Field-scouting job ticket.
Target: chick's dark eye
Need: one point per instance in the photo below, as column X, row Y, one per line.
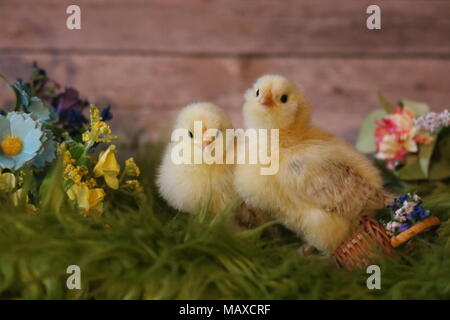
column 190, row 134
column 284, row 98
column 257, row 92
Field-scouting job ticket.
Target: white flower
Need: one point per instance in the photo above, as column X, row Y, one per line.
column 445, row 118
column 433, row 121
column 400, row 216
column 408, row 206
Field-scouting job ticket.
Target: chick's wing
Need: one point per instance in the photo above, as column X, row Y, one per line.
column 319, row 175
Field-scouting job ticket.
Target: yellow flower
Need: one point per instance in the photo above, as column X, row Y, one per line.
column 7, row 182
column 133, row 185
column 91, row 183
column 74, row 173
column 94, row 114
column 99, row 130
column 108, row 167
column 131, row 168
column 88, row 200
column 71, row 171
column 20, row 178
column 67, row 157
column 16, row 198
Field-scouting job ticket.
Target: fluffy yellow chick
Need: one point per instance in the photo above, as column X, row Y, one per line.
column 188, row 187
column 323, row 184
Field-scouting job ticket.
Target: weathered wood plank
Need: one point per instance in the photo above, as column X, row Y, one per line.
column 147, row 92
column 228, row 27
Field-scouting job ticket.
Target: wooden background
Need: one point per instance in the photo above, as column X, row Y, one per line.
column 148, row 58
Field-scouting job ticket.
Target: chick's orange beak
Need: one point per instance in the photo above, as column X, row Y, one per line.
column 266, row 99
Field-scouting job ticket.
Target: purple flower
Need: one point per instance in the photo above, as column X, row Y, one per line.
column 403, row 227
column 70, row 108
column 68, row 100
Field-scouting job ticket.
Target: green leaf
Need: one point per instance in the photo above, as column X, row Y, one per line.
column 387, row 106
column 76, row 151
column 57, row 131
column 411, row 171
column 67, row 184
column 79, row 153
column 366, row 137
column 21, row 91
column 419, row 108
column 3, row 77
column 51, row 192
column 440, row 161
column 425, row 153
column 440, row 170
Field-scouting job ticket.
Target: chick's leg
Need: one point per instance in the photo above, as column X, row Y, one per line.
column 246, row 218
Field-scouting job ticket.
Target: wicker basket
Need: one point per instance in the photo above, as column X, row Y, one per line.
column 360, row 249
column 414, row 230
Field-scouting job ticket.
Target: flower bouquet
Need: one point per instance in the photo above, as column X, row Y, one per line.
column 408, row 219
column 408, row 139
column 411, row 144
column 52, row 153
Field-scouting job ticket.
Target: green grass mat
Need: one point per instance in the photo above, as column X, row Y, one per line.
column 154, row 252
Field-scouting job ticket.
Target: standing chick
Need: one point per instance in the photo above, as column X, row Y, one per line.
column 323, row 184
column 188, row 187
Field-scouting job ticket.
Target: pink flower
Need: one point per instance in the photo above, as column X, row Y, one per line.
column 424, row 137
column 394, row 136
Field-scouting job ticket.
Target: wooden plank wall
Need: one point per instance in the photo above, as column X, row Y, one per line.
column 148, row 58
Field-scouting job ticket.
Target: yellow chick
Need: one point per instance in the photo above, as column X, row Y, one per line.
column 323, row 184
column 189, row 186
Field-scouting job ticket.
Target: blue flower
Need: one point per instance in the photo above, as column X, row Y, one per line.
column 403, row 198
column 106, row 113
column 74, row 121
column 393, row 206
column 403, row 227
column 70, row 108
column 66, row 101
column 20, row 139
column 419, row 213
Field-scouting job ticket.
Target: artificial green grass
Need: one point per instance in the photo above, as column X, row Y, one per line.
column 150, row 251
